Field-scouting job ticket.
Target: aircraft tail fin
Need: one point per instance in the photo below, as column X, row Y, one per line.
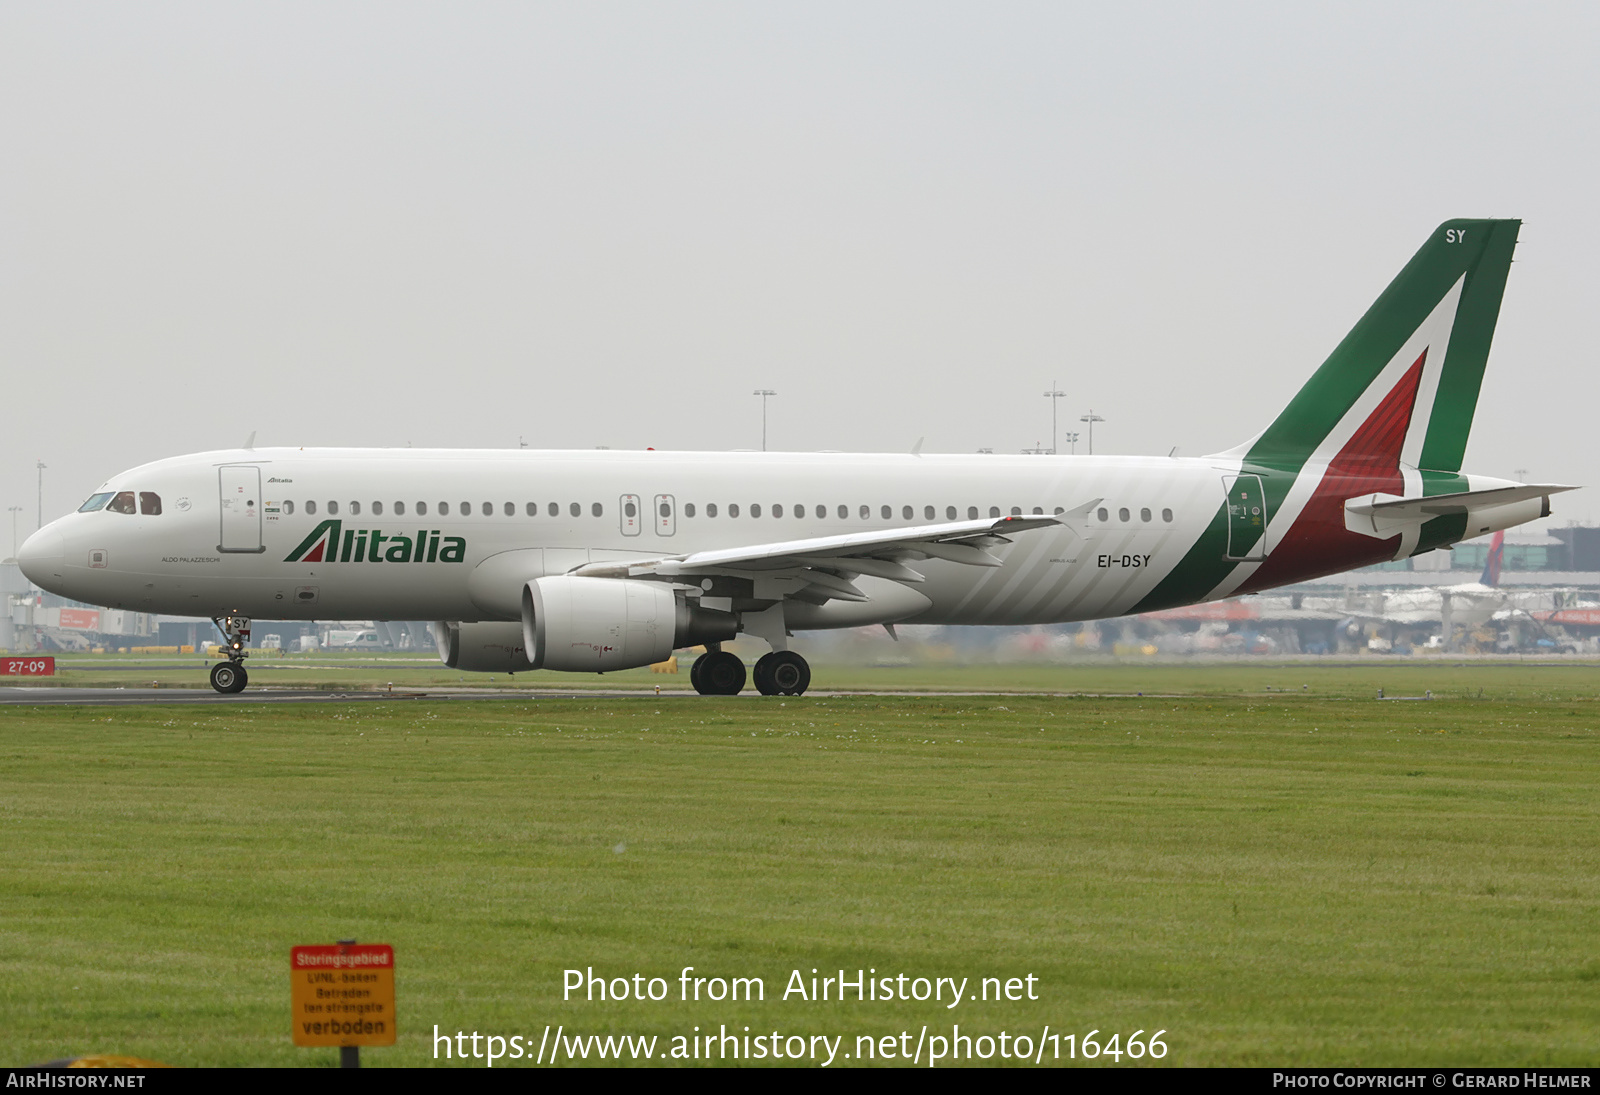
column 1402, row 386
column 1491, row 566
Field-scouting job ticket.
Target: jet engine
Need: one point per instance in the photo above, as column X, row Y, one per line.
column 481, row 648
column 596, row 625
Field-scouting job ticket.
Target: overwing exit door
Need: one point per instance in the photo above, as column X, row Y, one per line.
column 240, row 491
column 632, row 519
column 666, row 515
column 1247, row 518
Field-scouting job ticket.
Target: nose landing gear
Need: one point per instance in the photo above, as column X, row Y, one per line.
column 229, row 677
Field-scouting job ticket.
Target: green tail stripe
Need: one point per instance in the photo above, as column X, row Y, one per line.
column 1480, row 250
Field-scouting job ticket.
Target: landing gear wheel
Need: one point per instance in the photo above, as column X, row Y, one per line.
column 782, row 673
column 228, row 678
column 718, row 673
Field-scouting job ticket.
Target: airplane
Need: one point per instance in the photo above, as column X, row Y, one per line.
column 1465, row 604
column 608, row 560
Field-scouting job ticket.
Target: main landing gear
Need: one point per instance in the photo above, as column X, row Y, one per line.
column 229, row 677
column 781, row 673
column 717, row 673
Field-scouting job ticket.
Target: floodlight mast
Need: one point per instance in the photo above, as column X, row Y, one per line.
column 764, row 393
column 1091, row 418
column 41, row 495
column 1053, row 395
column 14, row 510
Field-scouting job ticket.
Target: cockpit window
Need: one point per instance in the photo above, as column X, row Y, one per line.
column 149, row 503
column 122, row 503
column 96, row 502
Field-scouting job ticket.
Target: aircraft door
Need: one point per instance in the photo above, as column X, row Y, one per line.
column 240, row 490
column 632, row 519
column 1247, row 518
column 666, row 515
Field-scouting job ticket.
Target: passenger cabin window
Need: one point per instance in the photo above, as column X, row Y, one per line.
column 777, row 511
column 1144, row 515
column 554, row 509
column 1166, row 515
column 288, row 509
column 949, row 513
column 1016, row 511
column 844, row 511
column 866, row 512
column 95, row 502
column 972, row 513
column 755, row 509
column 927, row 513
column 533, row 509
column 630, row 510
column 355, row 509
column 1060, row 511
column 333, row 509
column 1122, row 515
column 466, row 509
column 488, row 509
column 511, row 509
column 422, row 509
column 994, row 511
column 600, row 511
column 905, row 513
column 711, row 509
column 575, row 509
column 311, row 509
column 1038, row 511
column 122, row 503
column 377, row 509
column 149, row 503
column 688, row 509
column 822, row 511
column 733, row 509
column 399, row 509
column 1103, row 514
column 887, row 513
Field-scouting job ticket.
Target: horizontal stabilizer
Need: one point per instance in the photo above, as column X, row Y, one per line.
column 1393, row 508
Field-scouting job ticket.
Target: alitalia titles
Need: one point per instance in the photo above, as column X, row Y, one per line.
column 331, row 542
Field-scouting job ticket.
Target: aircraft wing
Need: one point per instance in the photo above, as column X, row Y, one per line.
column 828, row 563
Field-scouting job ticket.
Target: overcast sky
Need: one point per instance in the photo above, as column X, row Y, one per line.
column 607, row 224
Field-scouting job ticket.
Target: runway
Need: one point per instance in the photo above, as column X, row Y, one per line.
column 121, row 697
column 115, row 697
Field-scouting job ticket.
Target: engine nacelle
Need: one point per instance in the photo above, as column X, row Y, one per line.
column 481, row 648
column 597, row 625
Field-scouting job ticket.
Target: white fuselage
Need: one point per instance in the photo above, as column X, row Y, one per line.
column 442, row 513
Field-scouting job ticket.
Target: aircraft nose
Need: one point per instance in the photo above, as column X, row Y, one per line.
column 42, row 557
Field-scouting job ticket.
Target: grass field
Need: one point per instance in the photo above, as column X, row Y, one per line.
column 1300, row 876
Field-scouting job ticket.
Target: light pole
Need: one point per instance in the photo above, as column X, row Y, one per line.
column 764, row 393
column 14, row 510
column 1052, row 395
column 1071, row 439
column 41, row 493
column 1091, row 418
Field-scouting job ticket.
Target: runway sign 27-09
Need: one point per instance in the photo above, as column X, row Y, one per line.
column 27, row 667
column 342, row 994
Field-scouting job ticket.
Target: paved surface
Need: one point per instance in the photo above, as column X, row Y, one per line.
column 103, row 697
column 112, row 697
